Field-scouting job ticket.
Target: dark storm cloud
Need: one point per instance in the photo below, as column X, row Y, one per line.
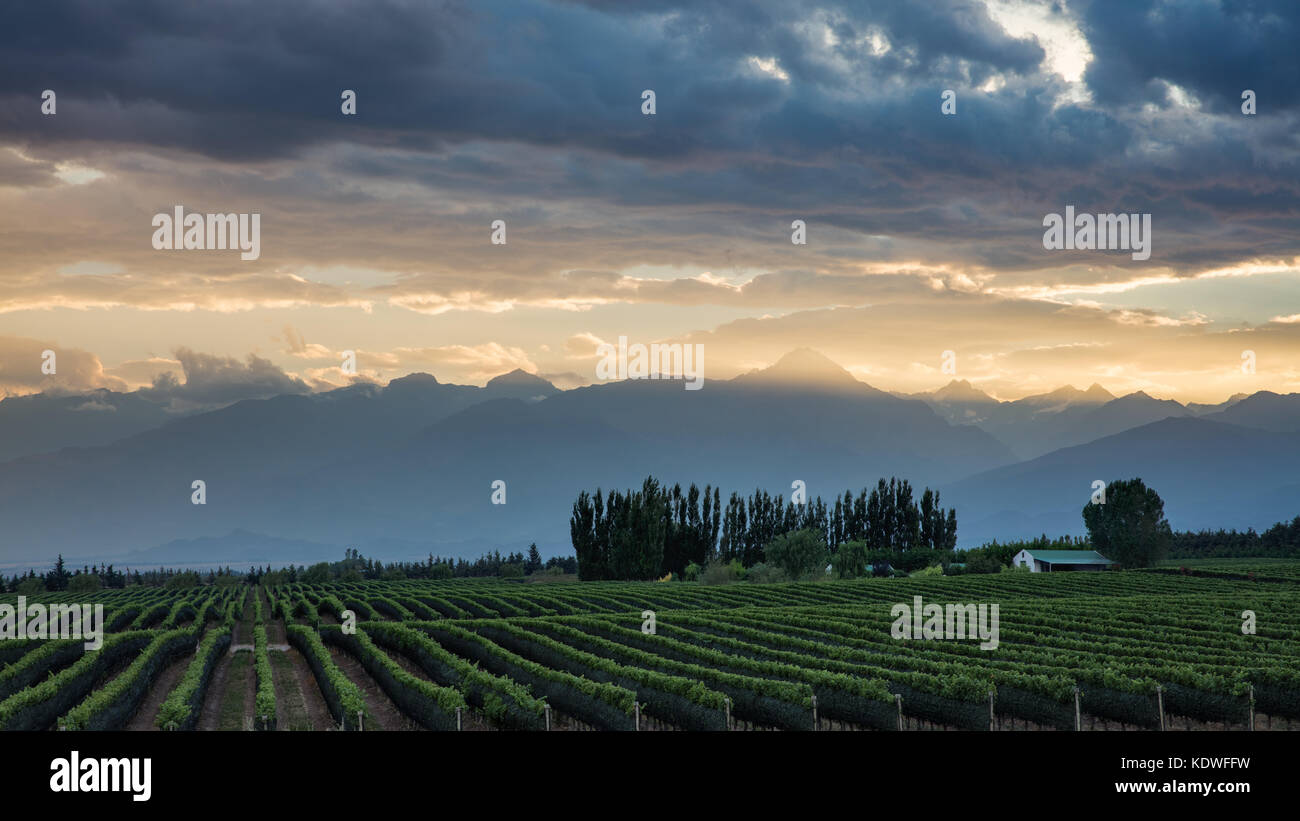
column 251, row 80
column 842, row 128
column 1214, row 50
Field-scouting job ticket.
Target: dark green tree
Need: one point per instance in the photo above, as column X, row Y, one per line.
column 850, row 561
column 799, row 554
column 1130, row 526
column 57, row 579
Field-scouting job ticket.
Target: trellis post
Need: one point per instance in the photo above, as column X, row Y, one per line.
column 1252, row 707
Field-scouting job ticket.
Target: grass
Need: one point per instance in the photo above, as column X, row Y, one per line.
column 234, row 706
column 288, row 695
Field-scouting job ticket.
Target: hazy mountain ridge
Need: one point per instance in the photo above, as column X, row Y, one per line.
column 1067, row 416
column 411, row 465
column 1210, row 474
column 416, row 460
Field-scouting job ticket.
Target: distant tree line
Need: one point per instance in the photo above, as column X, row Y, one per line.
column 656, row 530
column 353, row 567
column 105, row 577
column 88, row 578
column 356, row 567
column 1281, row 541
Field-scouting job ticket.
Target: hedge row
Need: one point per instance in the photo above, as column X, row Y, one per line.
column 772, row 701
column 679, row 700
column 185, row 702
column 150, row 616
column 265, row 698
column 111, row 706
column 845, row 694
column 12, row 650
column 48, row 657
column 342, row 696
column 503, row 701
column 390, row 608
column 36, row 707
column 601, row 704
column 433, row 706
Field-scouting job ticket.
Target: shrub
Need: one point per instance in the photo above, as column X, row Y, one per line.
column 983, row 562
column 850, row 561
column 920, row 558
column 932, row 570
column 83, row 583
column 692, row 572
column 720, row 572
column 799, row 553
column 183, row 580
column 763, row 574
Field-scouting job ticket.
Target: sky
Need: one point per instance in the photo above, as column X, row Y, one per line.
column 924, row 230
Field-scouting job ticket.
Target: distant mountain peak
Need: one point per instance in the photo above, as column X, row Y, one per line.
column 804, row 365
column 1096, row 391
column 413, row 380
column 961, row 390
column 1143, row 396
column 519, row 377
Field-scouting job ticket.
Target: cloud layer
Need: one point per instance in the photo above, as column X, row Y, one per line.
column 377, row 227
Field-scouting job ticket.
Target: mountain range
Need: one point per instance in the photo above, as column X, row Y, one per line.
column 409, row 468
column 1039, row 424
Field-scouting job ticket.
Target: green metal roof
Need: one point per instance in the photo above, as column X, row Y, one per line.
column 1068, row 556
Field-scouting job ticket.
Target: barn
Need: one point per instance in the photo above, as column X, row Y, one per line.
column 1049, row 561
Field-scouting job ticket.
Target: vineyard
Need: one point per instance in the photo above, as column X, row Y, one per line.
column 1159, row 649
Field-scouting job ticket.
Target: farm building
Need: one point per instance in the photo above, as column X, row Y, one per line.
column 1047, row 561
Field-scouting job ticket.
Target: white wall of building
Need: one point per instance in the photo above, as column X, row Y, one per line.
column 1023, row 559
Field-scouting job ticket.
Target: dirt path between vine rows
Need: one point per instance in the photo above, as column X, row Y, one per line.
column 158, row 691
column 382, row 710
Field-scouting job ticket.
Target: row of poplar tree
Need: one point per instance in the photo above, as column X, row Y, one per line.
column 656, row 530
